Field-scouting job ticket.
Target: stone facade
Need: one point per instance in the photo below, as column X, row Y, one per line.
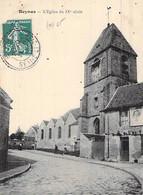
column 41, row 134
column 62, row 131
column 30, row 138
column 117, row 128
column 5, row 102
column 110, row 64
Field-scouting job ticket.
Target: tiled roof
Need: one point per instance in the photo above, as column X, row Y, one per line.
column 111, row 36
column 5, row 100
column 5, row 95
column 126, row 96
column 95, row 136
column 46, row 122
column 75, row 113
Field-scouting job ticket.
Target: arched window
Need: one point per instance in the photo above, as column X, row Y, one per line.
column 97, row 126
column 95, row 70
column 59, row 132
column 69, row 133
column 50, row 133
column 125, row 67
column 42, row 134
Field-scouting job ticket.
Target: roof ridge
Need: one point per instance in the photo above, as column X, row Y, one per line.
column 111, row 36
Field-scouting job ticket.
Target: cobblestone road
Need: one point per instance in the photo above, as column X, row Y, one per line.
column 60, row 176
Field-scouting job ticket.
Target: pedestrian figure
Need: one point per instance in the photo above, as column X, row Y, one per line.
column 75, row 149
column 65, row 149
column 56, row 149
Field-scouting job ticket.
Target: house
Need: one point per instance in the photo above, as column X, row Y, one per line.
column 124, row 124
column 30, row 138
column 5, row 107
column 109, row 68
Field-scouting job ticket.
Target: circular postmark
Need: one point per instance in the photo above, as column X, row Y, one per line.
column 19, row 53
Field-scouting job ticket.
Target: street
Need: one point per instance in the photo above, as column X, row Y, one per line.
column 52, row 175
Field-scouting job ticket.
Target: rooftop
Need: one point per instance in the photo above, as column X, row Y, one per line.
column 111, row 36
column 75, row 113
column 126, row 96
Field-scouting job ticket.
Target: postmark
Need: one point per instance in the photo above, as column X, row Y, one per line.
column 20, row 48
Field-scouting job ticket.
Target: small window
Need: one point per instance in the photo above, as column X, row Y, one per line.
column 95, row 71
column 97, row 126
column 59, row 132
column 124, row 118
column 125, row 67
column 96, row 102
column 69, row 133
column 42, row 134
column 50, row 133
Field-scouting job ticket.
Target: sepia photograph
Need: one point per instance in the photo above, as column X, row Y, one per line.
column 71, row 97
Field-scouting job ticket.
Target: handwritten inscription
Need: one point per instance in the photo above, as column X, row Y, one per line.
column 51, row 25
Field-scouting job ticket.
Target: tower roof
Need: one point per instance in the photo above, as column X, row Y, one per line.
column 111, row 36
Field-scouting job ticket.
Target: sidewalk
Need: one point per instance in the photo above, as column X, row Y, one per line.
column 6, row 175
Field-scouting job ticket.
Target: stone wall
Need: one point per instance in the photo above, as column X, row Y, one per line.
column 65, row 139
column 85, row 146
column 4, row 128
column 112, row 126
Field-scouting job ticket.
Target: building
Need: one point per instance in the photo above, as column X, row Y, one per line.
column 110, row 64
column 30, row 138
column 62, row 131
column 5, row 107
column 124, row 124
column 41, row 134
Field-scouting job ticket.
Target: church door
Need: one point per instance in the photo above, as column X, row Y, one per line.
column 124, row 151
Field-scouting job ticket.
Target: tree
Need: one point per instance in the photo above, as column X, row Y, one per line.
column 19, row 134
column 12, row 136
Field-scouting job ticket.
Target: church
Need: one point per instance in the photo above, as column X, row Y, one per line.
column 111, row 109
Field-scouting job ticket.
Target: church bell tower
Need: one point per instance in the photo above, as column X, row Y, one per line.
column 110, row 64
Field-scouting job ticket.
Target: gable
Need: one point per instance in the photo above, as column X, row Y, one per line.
column 60, row 121
column 110, row 37
column 70, row 119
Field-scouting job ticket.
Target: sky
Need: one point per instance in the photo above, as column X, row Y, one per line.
column 55, row 84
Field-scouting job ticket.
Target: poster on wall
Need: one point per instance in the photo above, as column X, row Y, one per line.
column 136, row 116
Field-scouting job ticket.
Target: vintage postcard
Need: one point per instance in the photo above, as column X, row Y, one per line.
column 71, row 97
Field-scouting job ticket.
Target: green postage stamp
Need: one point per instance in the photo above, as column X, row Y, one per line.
column 21, row 49
column 14, row 33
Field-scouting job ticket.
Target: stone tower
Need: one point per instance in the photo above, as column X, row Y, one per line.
column 110, row 64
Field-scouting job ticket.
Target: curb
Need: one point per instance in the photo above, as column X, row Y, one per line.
column 138, row 178
column 12, row 173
